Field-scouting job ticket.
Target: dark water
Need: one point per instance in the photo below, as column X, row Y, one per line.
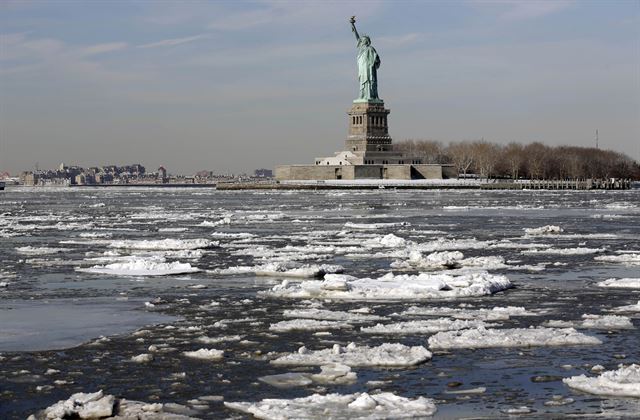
column 47, row 307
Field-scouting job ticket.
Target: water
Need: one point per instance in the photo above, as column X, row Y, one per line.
column 52, row 316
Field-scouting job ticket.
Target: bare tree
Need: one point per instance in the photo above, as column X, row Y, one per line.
column 513, row 158
column 485, row 156
column 461, row 155
column 536, row 154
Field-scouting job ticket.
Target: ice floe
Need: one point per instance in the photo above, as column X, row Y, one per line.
column 385, row 355
column 384, row 405
column 34, row 250
column 626, row 283
column 510, row 337
column 331, row 374
column 426, row 326
column 563, row 251
column 142, row 267
column 163, row 244
column 308, row 325
column 627, row 259
column 598, row 322
column 205, row 354
column 497, row 313
column 288, row 269
column 544, row 230
column 627, row 308
column 314, row 313
column 99, row 405
column 393, row 287
column 373, row 226
column 624, row 382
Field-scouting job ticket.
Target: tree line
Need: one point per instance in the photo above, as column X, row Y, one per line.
column 517, row 161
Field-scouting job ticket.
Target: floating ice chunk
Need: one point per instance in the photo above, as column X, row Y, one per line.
column 627, row 283
column 627, row 308
column 328, row 315
column 34, row 250
column 373, row 226
column 81, row 405
column 142, row 358
column 163, row 244
column 142, row 267
column 308, row 325
column 280, row 269
column 97, row 405
column 624, row 382
column 394, row 287
column 599, row 322
column 563, row 251
column 350, row 406
column 544, row 230
column 388, row 241
column 287, row 380
column 478, row 390
column 512, row 337
column 427, row 326
column 214, row 340
column 387, row 354
column 205, row 354
column 334, row 373
column 448, row 259
column 627, row 259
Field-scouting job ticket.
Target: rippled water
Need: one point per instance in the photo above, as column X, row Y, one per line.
column 47, row 305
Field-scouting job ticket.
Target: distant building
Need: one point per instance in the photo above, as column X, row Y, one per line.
column 162, row 175
column 263, row 173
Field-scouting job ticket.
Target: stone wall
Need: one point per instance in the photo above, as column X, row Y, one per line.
column 350, row 172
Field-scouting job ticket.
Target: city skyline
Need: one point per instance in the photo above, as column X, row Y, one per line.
column 236, row 86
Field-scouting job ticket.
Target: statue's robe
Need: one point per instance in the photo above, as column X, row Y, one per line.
column 368, row 63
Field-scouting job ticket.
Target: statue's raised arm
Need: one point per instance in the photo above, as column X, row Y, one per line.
column 353, row 27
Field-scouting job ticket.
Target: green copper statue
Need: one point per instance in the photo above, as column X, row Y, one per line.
column 368, row 63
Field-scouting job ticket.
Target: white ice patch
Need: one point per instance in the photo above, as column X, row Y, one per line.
column 497, row 313
column 627, row 283
column 544, row 230
column 627, row 259
column 307, row 325
column 563, row 251
column 373, row 226
column 624, row 382
column 427, row 326
column 387, row 241
column 332, row 374
column 205, row 354
column 512, row 337
column 281, row 269
column 333, row 406
column 34, row 250
column 385, row 355
column 81, row 405
column 163, row 244
column 598, row 322
column 142, row 267
column 328, row 315
column 627, row 308
column 394, row 287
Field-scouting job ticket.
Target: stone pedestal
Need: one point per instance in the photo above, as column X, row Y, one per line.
column 368, row 128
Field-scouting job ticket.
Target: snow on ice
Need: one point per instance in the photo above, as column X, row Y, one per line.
column 394, row 287
column 426, row 326
column 384, row 405
column 511, row 337
column 385, row 355
column 627, row 283
column 142, row 267
column 624, row 382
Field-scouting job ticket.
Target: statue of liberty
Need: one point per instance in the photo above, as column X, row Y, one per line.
column 368, row 63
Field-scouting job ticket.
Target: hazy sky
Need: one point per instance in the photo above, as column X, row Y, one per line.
column 234, row 86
